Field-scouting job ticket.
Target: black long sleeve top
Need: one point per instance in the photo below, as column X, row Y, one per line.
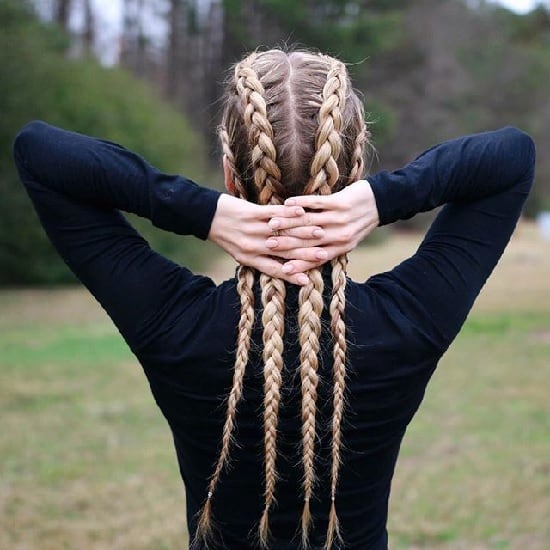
column 182, row 327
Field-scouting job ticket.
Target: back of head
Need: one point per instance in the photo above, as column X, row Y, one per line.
column 291, row 125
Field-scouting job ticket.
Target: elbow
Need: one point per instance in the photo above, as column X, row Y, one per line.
column 27, row 139
column 27, row 145
column 522, row 149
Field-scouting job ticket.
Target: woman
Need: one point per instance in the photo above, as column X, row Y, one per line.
column 304, row 389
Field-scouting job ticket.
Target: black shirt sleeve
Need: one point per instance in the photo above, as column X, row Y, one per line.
column 78, row 184
column 483, row 181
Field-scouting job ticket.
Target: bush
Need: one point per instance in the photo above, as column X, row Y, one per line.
column 38, row 81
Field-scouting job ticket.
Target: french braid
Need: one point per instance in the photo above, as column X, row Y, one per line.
column 267, row 180
column 338, row 328
column 324, row 176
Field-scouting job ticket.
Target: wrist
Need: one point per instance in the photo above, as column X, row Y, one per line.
column 373, row 216
column 217, row 225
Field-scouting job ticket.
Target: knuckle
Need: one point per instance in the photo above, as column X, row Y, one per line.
column 342, row 217
column 346, row 235
column 246, row 246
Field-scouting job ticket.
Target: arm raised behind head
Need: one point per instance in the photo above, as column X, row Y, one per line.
column 462, row 170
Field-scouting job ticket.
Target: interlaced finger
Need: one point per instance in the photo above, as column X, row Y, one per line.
column 274, row 268
column 309, row 219
column 300, row 237
column 311, row 254
column 300, row 266
column 266, row 212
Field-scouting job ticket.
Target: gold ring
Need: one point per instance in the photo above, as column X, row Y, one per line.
column 275, row 232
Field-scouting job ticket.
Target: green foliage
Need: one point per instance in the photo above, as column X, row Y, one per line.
column 39, row 80
column 510, row 73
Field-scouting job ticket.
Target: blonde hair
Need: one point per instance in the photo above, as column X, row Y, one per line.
column 292, row 125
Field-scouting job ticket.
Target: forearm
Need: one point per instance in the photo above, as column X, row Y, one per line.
column 105, row 175
column 460, row 170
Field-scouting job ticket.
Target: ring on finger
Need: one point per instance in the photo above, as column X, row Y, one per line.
column 275, row 232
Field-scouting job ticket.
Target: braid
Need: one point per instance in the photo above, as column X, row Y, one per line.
column 309, row 321
column 267, row 181
column 240, row 190
column 244, row 288
column 338, row 327
column 324, row 176
column 328, row 143
column 273, row 301
column 331, row 115
column 357, row 160
column 267, row 175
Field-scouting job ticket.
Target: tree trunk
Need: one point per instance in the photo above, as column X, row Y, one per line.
column 62, row 11
column 176, row 37
column 89, row 27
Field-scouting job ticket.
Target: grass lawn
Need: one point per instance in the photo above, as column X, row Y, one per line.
column 86, row 460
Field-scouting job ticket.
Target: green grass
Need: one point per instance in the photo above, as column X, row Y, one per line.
column 474, row 466
column 86, row 458
column 87, row 461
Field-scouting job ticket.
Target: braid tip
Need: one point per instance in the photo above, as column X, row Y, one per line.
column 333, row 531
column 263, row 532
column 205, row 528
column 306, row 523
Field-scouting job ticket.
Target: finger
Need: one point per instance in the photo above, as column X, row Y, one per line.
column 301, row 237
column 315, row 202
column 309, row 219
column 273, row 268
column 304, row 220
column 292, row 211
column 284, row 243
column 279, row 222
column 300, row 279
column 306, row 234
column 311, row 254
column 299, row 266
column 265, row 212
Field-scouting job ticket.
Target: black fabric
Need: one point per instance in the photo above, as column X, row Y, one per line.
column 182, row 327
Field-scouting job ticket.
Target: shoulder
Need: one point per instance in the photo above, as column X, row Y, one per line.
column 383, row 314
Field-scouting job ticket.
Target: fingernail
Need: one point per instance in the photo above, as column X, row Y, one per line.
column 321, row 255
column 303, row 279
column 318, row 233
column 271, row 243
column 299, row 211
column 274, row 223
column 288, row 268
column 290, row 202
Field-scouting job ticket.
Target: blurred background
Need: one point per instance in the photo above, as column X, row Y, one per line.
column 148, row 74
column 86, row 461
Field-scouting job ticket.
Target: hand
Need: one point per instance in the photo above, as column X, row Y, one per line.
column 346, row 218
column 241, row 228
